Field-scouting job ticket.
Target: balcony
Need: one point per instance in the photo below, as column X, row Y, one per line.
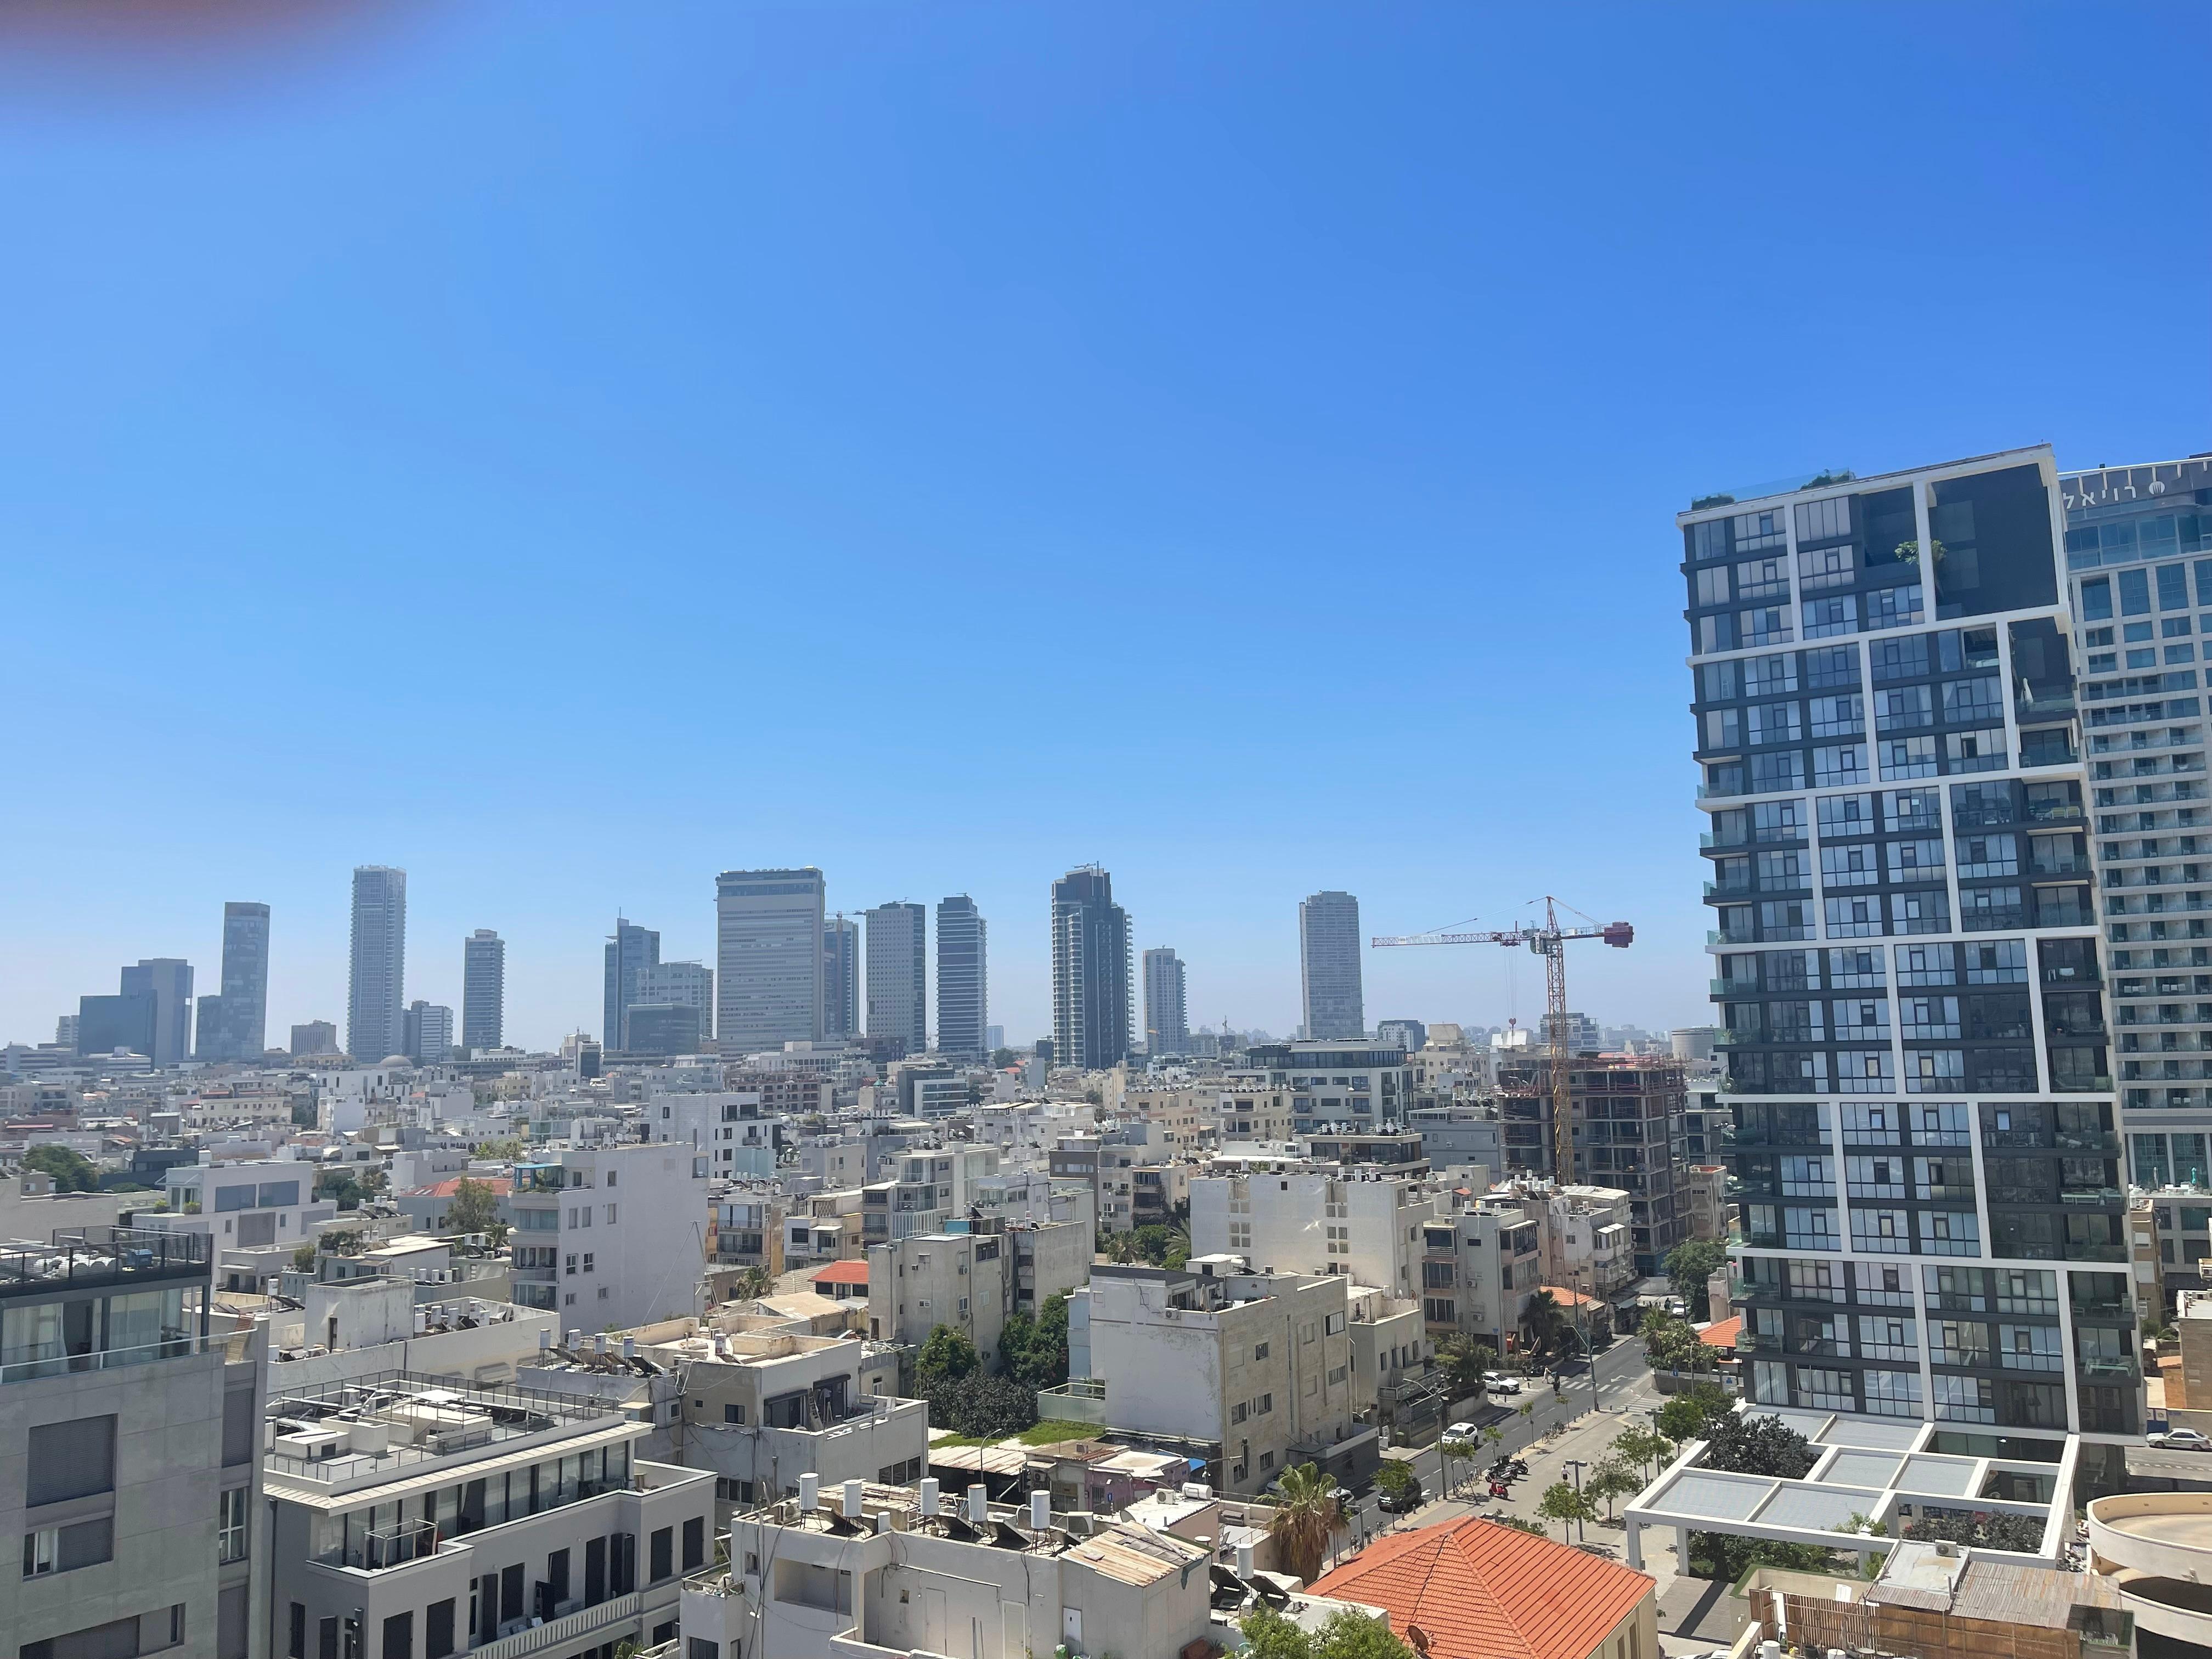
column 177, row 1346
column 1081, row 1399
column 590, row 1627
column 87, row 1257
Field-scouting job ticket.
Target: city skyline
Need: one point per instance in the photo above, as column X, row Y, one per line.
column 1462, row 428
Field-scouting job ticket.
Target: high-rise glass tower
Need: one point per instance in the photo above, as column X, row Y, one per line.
column 426, row 1032
column 2139, row 573
column 1906, row 957
column 1329, row 965
column 841, row 978
column 1167, row 1014
column 483, row 990
column 168, row 981
column 631, row 950
column 962, row 991
column 233, row 1023
column 1090, row 972
column 767, row 969
column 374, row 1025
column 898, row 988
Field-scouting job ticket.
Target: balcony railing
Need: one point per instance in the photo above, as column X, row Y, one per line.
column 176, row 1347
column 566, row 1631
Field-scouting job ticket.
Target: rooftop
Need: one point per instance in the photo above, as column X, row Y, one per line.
column 1482, row 1591
column 83, row 1257
column 842, row 1273
column 391, row 1424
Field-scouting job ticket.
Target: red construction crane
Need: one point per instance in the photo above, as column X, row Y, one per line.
column 1549, row 941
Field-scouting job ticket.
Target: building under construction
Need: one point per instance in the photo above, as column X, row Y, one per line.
column 1627, row 1117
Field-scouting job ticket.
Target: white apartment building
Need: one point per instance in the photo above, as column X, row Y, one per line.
column 730, row 1127
column 862, row 1570
column 1254, row 1371
column 972, row 1281
column 761, row 1408
column 612, row 1235
column 1588, row 1235
column 1479, row 1268
column 927, row 1188
column 130, row 1474
column 1294, row 1218
column 243, row 1205
column 415, row 1516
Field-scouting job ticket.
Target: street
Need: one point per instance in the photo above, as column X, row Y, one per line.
column 1628, row 1393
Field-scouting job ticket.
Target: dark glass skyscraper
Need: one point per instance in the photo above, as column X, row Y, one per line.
column 375, row 1016
column 1090, row 971
column 233, row 1023
column 1907, row 954
column 631, row 950
column 841, row 978
column 1328, row 966
column 483, row 990
column 961, row 987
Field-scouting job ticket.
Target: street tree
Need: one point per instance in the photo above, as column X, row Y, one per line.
column 1563, row 1503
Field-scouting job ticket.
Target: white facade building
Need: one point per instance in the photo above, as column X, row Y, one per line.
column 612, row 1235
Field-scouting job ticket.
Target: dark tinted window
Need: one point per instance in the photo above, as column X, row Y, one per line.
column 70, row 1460
column 1993, row 533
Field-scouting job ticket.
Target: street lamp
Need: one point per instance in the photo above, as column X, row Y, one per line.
column 1575, row 1467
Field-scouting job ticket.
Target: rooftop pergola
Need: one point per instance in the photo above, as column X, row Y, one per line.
column 1881, row 1471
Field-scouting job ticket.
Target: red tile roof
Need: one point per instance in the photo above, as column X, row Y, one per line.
column 1570, row 1299
column 500, row 1185
column 1482, row 1591
column 1721, row 1332
column 843, row 1272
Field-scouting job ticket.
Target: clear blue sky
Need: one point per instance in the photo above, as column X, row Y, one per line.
column 567, row 451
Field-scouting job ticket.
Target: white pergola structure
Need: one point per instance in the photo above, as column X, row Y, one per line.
column 1878, row 1470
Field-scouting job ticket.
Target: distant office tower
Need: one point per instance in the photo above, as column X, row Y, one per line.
column 233, row 1023
column 994, row 1038
column 674, row 984
column 316, row 1036
column 104, row 1025
column 1090, row 971
column 841, row 978
column 1407, row 1034
column 666, row 1027
column 374, row 1028
column 1329, row 965
column 962, row 987
column 65, row 1032
column 1582, row 1035
column 898, row 986
column 1167, row 1013
column 631, row 950
column 426, row 1033
column 483, row 989
column 168, row 981
column 768, row 968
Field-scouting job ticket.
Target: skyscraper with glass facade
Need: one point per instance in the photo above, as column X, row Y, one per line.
column 898, row 978
column 1328, row 966
column 1906, row 957
column 631, row 952
column 375, row 1027
column 768, row 958
column 1090, row 971
column 483, row 990
column 2139, row 569
column 962, row 986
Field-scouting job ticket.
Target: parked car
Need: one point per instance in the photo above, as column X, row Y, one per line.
column 1404, row 1503
column 1500, row 1382
column 1463, row 1431
column 2182, row 1440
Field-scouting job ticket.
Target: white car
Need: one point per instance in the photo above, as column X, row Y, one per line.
column 2181, row 1440
column 1500, row 1382
column 1463, row 1431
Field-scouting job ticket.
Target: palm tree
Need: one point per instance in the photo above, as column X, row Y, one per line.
column 1492, row 1437
column 1306, row 1513
column 753, row 1283
column 1465, row 1359
column 1545, row 1324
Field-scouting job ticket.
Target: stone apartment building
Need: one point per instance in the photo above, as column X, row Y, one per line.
column 973, row 1280
column 1295, row 1217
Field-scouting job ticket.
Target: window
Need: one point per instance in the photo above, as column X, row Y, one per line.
column 70, row 1460
column 733, row 1414
column 1259, row 1351
column 438, row 1630
column 296, row 1645
column 660, row 1560
column 399, row 1636
column 230, row 1524
column 64, row 1549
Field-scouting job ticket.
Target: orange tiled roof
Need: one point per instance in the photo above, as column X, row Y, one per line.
column 500, row 1185
column 1570, row 1299
column 1484, row 1591
column 843, row 1272
column 1721, row 1332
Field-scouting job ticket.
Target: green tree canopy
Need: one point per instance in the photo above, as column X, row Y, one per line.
column 1034, row 1351
column 1764, row 1445
column 475, row 1207
column 1345, row 1635
column 73, row 1172
column 946, row 1356
column 1686, row 1415
column 1563, row 1503
column 1688, row 1268
column 1305, row 1514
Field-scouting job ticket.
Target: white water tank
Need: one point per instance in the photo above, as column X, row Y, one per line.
column 1040, row 1512
column 979, row 1507
column 929, row 1494
column 853, row 1500
column 810, row 1495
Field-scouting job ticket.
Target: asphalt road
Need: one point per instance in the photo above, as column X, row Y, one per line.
column 1556, row 1433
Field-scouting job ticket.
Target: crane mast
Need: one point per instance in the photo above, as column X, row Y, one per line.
column 1549, row 942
